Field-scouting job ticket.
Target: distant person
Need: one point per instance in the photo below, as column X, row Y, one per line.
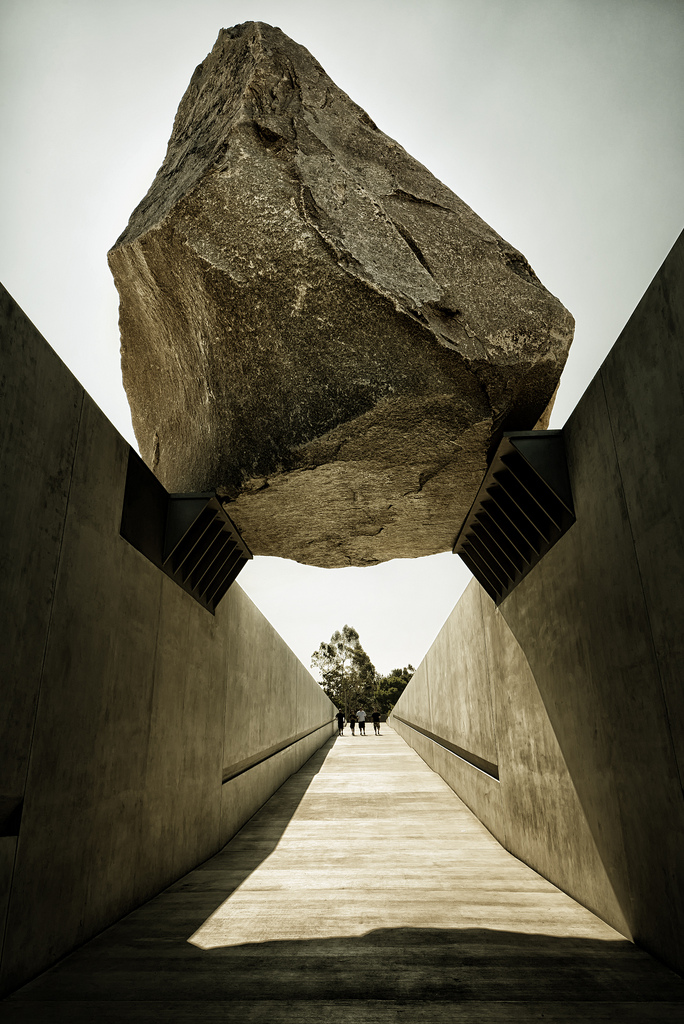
column 376, row 722
column 340, row 722
column 352, row 722
column 361, row 716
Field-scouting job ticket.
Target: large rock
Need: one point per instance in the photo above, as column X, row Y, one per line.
column 316, row 327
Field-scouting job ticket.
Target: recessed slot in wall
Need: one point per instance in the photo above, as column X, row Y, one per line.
column 188, row 536
column 522, row 508
column 474, row 760
column 10, row 815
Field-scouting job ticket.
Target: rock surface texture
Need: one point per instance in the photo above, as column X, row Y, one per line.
column 314, row 326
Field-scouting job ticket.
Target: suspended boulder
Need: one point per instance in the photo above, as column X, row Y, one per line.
column 314, row 326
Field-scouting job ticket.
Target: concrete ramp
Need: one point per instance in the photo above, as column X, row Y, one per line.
column 363, row 891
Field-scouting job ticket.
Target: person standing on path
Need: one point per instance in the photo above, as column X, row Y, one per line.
column 361, row 715
column 352, row 722
column 340, row 722
column 376, row 722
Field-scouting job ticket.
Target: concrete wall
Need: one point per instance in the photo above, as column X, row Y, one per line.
column 532, row 808
column 126, row 703
column 581, row 666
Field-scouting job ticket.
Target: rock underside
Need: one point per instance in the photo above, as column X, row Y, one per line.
column 314, row 326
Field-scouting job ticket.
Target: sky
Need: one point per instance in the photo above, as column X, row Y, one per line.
column 560, row 122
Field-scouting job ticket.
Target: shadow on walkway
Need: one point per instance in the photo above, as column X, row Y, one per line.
column 386, row 968
column 149, row 920
column 146, row 969
column 256, row 840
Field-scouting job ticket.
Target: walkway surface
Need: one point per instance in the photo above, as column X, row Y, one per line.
column 364, row 891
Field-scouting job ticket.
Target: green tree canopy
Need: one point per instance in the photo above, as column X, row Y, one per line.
column 347, row 673
column 349, row 678
column 389, row 688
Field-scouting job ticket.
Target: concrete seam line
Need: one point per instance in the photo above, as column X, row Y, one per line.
column 644, row 598
column 479, row 763
column 493, row 716
column 232, row 771
column 54, row 593
column 42, row 667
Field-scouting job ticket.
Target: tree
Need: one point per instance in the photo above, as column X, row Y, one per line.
column 389, row 688
column 348, row 675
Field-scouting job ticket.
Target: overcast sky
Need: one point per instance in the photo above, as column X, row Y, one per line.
column 561, row 122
